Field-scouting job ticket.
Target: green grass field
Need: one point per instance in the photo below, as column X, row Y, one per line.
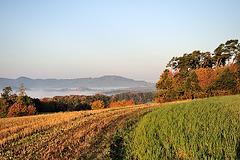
column 200, row 129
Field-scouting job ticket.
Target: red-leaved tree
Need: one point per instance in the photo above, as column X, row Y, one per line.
column 17, row 110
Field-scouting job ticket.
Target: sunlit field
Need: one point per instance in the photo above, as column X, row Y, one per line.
column 69, row 135
column 200, row 129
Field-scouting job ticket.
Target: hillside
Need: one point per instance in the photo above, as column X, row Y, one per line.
column 105, row 81
column 69, row 135
column 200, row 129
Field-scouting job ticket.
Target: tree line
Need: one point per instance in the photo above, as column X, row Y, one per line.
column 13, row 105
column 201, row 74
column 97, row 101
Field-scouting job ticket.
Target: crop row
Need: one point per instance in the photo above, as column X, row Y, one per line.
column 63, row 135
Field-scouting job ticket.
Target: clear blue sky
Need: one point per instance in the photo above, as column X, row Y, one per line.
column 130, row 38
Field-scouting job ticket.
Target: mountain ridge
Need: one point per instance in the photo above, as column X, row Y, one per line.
column 98, row 82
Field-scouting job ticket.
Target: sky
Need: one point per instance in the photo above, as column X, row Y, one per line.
column 92, row 38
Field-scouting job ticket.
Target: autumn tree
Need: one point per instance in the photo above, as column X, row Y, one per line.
column 12, row 105
column 165, row 87
column 18, row 110
column 22, row 107
column 122, row 103
column 98, row 105
column 130, row 102
column 6, row 101
column 165, row 80
column 31, row 110
column 25, row 100
column 205, row 76
column 201, row 74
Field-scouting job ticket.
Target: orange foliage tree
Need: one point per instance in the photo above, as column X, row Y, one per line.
column 98, row 105
column 122, row 103
column 31, row 110
column 206, row 77
column 17, row 110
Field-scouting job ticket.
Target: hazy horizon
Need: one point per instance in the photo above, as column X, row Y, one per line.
column 133, row 39
column 80, row 78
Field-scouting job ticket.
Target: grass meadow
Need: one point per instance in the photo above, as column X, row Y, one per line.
column 199, row 129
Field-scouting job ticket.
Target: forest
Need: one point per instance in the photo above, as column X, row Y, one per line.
column 13, row 105
column 97, row 101
column 201, row 74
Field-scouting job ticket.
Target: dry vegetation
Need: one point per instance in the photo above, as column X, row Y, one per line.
column 81, row 135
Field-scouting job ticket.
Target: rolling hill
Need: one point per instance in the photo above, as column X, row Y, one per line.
column 105, row 81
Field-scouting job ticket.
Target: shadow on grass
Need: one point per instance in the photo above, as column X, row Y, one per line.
column 238, row 150
column 117, row 150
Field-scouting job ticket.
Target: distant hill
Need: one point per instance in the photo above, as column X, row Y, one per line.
column 105, row 81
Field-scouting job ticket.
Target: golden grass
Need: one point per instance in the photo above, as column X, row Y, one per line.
column 62, row 135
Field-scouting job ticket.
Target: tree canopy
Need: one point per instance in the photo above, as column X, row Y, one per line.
column 201, row 74
column 12, row 105
column 224, row 54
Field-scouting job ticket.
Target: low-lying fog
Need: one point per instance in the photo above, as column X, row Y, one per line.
column 41, row 93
